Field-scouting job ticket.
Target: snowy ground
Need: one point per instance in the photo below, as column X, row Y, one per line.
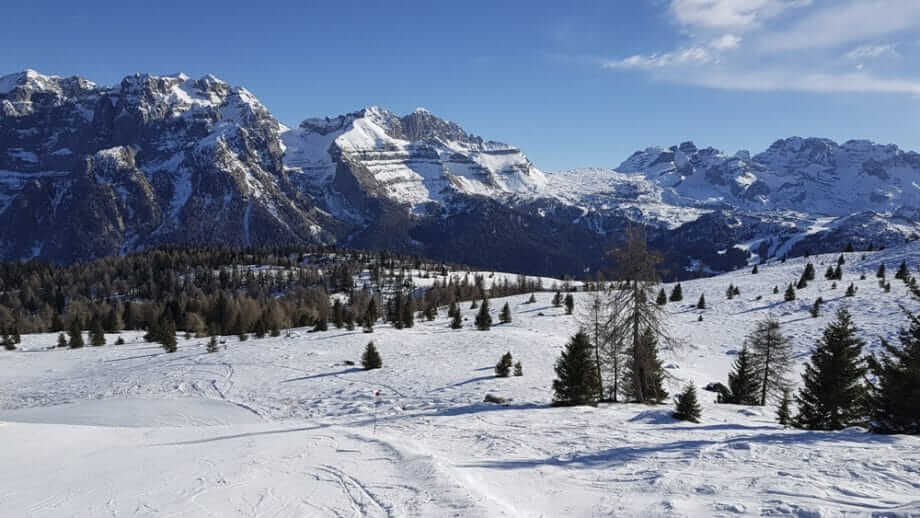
column 281, row 427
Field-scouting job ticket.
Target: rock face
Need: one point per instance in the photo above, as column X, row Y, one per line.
column 88, row 171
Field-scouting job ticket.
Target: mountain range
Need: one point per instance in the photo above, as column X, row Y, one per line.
column 88, row 171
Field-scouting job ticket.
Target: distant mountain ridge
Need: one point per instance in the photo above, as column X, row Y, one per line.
column 88, row 171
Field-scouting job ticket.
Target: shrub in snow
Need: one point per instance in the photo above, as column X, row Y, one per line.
column 518, row 368
column 503, row 367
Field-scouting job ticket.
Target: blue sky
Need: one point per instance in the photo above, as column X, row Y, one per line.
column 572, row 83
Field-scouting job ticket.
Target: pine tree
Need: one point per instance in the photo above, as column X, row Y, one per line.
column 686, row 406
column 903, row 273
column 503, row 367
column 851, row 290
column 881, row 271
column 76, row 334
column 576, row 374
column 730, row 292
column 557, row 300
column 371, row 358
column 755, row 271
column 789, row 295
column 816, row 307
column 483, row 318
column 505, row 315
column 118, row 341
column 532, row 299
column 408, row 313
column 701, row 304
column 783, row 412
column 775, row 290
column 7, row 342
column 168, row 337
column 833, row 396
column 894, row 394
column 569, row 304
column 849, row 248
column 677, row 294
column 644, row 373
column 212, row 345
column 320, row 324
column 809, row 273
column 96, row 333
column 62, row 340
column 841, row 261
column 838, row 273
column 518, row 368
column 742, row 381
column 338, row 314
column 368, row 324
column 771, row 354
column 662, row 298
column 457, row 320
column 829, row 274
column 802, row 284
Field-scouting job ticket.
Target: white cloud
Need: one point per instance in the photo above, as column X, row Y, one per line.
column 726, row 42
column 722, row 14
column 778, row 79
column 871, row 52
column 685, row 57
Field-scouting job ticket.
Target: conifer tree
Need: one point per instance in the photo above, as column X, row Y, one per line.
column 457, row 320
column 894, row 393
column 505, row 315
column 686, row 406
column 212, row 345
column 503, row 367
column 743, row 383
column 755, row 271
column 775, row 290
column 701, row 304
column 320, row 324
column 833, row 395
column 368, row 324
column 569, row 304
column 408, row 312
column 838, row 273
column 338, row 314
column 816, row 307
column 841, row 261
column 903, row 273
column 168, row 337
column 7, row 342
column 802, row 284
column 62, row 340
column 483, row 318
column 518, row 368
column 771, row 353
column 677, row 294
column 76, row 334
column 96, row 333
column 809, row 273
column 829, row 273
column 881, row 271
column 371, row 357
column 783, row 410
column 789, row 295
column 851, row 290
column 730, row 292
column 644, row 373
column 557, row 299
column 576, row 374
column 532, row 299
column 662, row 298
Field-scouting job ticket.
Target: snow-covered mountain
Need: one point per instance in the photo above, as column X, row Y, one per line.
column 87, row 171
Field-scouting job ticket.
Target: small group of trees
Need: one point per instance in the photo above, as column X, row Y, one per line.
column 504, row 365
column 761, row 367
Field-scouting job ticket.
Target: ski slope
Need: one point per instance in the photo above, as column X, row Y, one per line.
column 281, row 427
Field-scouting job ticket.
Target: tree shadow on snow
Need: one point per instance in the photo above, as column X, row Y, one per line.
column 323, row 375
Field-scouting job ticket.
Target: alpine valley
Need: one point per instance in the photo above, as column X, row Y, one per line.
column 88, row 171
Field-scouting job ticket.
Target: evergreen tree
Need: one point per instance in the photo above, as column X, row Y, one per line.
column 503, row 367
column 771, row 354
column 730, row 292
column 743, row 383
column 775, row 290
column 118, row 341
column 338, row 314
column 557, row 300
column 789, row 295
column 483, row 318
column 569, row 304
column 701, row 304
column 783, row 412
column 903, row 273
column 7, row 342
column 662, row 298
column 371, row 358
column 677, row 294
column 320, row 324
column 838, row 273
column 849, row 248
column 802, row 284
column 532, row 299
column 816, row 307
column 408, row 312
column 505, row 315
column 894, row 394
column 644, row 373
column 96, row 333
column 518, row 368
column 841, row 261
column 62, row 340
column 457, row 320
column 851, row 290
column 212, row 345
column 829, row 274
column 368, row 324
column 833, row 396
column 576, row 374
column 881, row 271
column 76, row 334
column 809, row 273
column 755, row 271
column 686, row 406
column 168, row 337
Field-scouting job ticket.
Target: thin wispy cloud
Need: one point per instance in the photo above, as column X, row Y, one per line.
column 799, row 45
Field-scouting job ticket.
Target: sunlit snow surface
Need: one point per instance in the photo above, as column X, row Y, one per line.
column 281, row 427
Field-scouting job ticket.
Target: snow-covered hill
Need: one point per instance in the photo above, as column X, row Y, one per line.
column 283, row 427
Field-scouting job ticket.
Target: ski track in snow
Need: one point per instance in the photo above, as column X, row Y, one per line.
column 281, row 427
